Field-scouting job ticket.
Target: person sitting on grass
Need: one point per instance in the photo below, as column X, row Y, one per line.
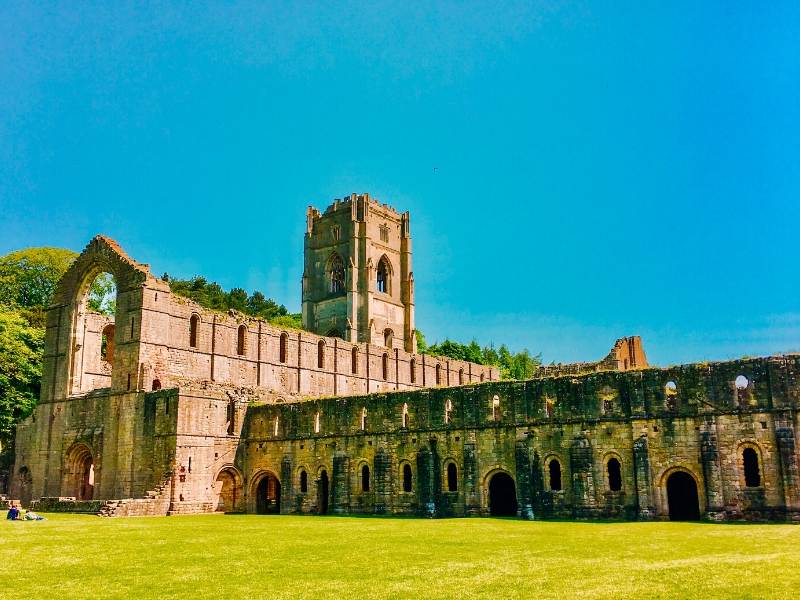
column 32, row 516
column 13, row 513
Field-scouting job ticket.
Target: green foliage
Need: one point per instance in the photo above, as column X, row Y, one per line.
column 103, row 295
column 512, row 366
column 211, row 295
column 256, row 556
column 21, row 348
column 422, row 345
column 28, row 277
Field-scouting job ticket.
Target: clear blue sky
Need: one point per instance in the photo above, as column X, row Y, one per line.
column 575, row 172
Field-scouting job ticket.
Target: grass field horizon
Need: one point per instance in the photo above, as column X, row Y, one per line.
column 207, row 556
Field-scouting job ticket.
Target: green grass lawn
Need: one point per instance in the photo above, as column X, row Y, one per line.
column 238, row 556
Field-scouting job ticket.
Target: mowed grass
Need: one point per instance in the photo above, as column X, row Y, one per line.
column 250, row 556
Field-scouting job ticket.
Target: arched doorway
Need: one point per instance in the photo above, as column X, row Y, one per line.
column 227, row 491
column 682, row 498
column 80, row 473
column 502, row 495
column 324, row 492
column 268, row 495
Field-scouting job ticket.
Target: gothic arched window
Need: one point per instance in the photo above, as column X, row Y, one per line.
column 383, row 275
column 336, row 274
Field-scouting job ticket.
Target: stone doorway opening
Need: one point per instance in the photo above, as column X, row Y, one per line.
column 80, row 474
column 682, row 498
column 502, row 495
column 324, row 492
column 227, row 490
column 268, row 495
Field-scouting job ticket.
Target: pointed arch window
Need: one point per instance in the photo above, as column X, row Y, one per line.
column 241, row 340
column 365, row 478
column 408, row 478
column 554, row 470
column 752, row 474
column 384, row 273
column 452, row 477
column 284, row 347
column 194, row 325
column 614, row 475
column 336, row 274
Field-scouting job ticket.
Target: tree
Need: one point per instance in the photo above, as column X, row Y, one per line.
column 21, row 348
column 28, row 277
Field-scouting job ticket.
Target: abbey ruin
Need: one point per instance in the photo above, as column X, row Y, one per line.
column 170, row 408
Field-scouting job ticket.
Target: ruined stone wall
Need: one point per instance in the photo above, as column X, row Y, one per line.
column 582, row 422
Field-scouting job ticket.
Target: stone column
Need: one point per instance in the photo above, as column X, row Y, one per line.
column 641, row 471
column 581, row 466
column 712, row 475
column 524, row 488
column 383, row 482
column 287, row 489
column 787, row 453
column 425, row 491
column 472, row 495
column 340, row 487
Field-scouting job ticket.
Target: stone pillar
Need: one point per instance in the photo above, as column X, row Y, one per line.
column 287, row 489
column 425, row 491
column 537, row 484
column 524, row 488
column 340, row 487
column 581, row 466
column 472, row 495
column 641, row 471
column 712, row 475
column 784, row 437
column 383, row 482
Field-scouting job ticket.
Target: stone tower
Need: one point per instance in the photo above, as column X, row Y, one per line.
column 357, row 282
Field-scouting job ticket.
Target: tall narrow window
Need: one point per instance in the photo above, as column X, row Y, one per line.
column 230, row 416
column 752, row 474
column 383, row 276
column 408, row 482
column 321, row 354
column 316, row 422
column 354, row 360
column 438, row 374
column 549, row 407
column 336, row 274
column 461, row 377
column 385, row 365
column 194, row 324
column 388, row 338
column 107, row 343
column 365, row 478
column 555, row 475
column 364, row 419
column 276, row 426
column 241, row 340
column 496, row 408
column 405, row 415
column 413, row 370
column 284, row 347
column 303, row 482
column 452, row 477
column 448, row 410
column 614, row 475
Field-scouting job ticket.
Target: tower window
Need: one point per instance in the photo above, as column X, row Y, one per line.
column 384, row 233
column 388, row 337
column 383, row 276
column 336, row 274
column 336, row 233
column 354, row 360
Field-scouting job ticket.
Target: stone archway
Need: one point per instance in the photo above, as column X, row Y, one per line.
column 502, row 495
column 682, row 497
column 227, row 491
column 80, row 473
column 268, row 494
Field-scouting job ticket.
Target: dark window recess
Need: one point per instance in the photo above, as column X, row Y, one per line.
column 407, row 478
column 555, row 475
column 752, row 474
column 303, row 482
column 614, row 475
column 452, row 477
column 365, row 478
